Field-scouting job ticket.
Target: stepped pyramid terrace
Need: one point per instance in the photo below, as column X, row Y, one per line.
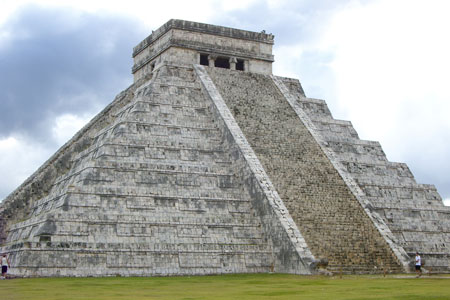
column 210, row 164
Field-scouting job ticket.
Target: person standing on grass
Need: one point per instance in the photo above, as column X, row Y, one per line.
column 418, row 261
column 5, row 265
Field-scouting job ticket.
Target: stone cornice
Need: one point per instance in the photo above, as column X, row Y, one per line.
column 261, row 37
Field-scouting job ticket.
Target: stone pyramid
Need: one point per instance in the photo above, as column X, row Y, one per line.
column 209, row 164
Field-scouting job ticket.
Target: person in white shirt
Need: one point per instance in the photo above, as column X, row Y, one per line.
column 418, row 261
column 5, row 265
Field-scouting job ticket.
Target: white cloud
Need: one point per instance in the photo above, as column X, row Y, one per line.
column 285, row 57
column 274, row 4
column 389, row 63
column 230, row 5
column 20, row 156
column 391, row 67
column 18, row 160
column 66, row 126
column 150, row 13
column 7, row 144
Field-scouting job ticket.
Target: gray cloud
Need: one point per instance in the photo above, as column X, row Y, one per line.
column 57, row 61
column 292, row 22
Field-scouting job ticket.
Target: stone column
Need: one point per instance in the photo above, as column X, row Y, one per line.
column 211, row 60
column 233, row 61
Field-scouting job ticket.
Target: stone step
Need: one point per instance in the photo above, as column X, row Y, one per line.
column 147, row 245
column 384, row 181
column 229, row 216
column 316, row 108
column 123, row 191
column 170, row 205
column 294, row 85
column 331, row 128
column 154, row 143
column 139, row 263
column 143, row 201
column 416, row 223
column 192, row 162
column 154, row 237
column 360, row 159
column 379, row 168
column 161, row 104
column 441, row 211
column 345, row 270
column 146, row 153
column 186, row 166
column 356, row 147
column 197, row 130
column 172, row 115
column 413, row 196
column 170, row 142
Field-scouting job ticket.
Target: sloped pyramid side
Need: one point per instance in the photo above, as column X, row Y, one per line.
column 329, row 216
column 156, row 193
column 414, row 212
column 18, row 205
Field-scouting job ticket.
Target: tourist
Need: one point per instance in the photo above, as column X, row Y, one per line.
column 418, row 261
column 5, row 265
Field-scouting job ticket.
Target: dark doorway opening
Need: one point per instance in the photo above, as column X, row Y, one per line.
column 222, row 62
column 204, row 59
column 240, row 65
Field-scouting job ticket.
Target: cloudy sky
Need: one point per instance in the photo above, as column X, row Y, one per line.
column 382, row 64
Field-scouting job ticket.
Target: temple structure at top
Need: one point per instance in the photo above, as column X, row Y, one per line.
column 209, row 45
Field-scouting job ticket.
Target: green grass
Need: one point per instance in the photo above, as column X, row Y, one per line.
column 248, row 286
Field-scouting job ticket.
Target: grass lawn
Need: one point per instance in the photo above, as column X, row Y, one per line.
column 240, row 286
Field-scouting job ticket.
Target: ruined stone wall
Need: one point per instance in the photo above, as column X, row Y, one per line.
column 334, row 224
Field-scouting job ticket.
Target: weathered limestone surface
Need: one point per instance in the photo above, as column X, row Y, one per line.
column 209, row 164
column 413, row 212
column 159, row 191
column 327, row 213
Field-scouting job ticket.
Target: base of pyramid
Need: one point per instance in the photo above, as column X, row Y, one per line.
column 54, row 263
